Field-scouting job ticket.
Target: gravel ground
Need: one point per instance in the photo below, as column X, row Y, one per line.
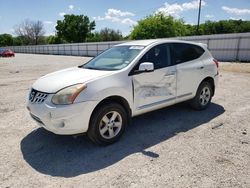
column 172, row 147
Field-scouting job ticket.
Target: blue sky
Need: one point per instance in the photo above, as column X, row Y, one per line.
column 116, row 14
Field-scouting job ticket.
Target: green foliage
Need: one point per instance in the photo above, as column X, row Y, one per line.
column 77, row 28
column 158, row 26
column 17, row 41
column 222, row 26
column 6, row 40
column 74, row 28
column 54, row 40
column 106, row 34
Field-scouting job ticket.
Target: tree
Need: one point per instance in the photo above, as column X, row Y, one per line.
column 74, row 28
column 30, row 31
column 54, row 40
column 158, row 26
column 224, row 26
column 6, row 40
column 38, row 31
column 106, row 34
column 17, row 41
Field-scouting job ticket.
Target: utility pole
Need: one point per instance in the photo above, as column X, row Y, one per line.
column 199, row 15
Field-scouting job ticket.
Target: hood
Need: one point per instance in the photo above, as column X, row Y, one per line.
column 53, row 82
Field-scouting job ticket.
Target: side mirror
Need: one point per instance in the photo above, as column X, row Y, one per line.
column 146, row 67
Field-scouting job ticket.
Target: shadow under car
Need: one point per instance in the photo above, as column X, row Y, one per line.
column 68, row 156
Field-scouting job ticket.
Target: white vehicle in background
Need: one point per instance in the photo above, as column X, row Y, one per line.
column 129, row 79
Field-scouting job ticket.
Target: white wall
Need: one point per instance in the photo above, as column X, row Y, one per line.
column 224, row 47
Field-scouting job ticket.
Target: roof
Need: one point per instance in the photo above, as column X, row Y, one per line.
column 138, row 43
column 151, row 41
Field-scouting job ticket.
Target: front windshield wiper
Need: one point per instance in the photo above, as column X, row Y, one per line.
column 83, row 67
column 92, row 68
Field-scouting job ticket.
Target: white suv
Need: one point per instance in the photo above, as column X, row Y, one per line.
column 130, row 79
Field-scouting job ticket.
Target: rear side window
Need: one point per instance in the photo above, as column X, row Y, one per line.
column 182, row 52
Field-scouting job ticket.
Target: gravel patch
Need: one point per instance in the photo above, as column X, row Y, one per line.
column 172, row 147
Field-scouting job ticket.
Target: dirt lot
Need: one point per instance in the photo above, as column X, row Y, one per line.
column 235, row 67
column 173, row 147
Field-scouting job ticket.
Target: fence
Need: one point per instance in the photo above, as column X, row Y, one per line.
column 224, row 47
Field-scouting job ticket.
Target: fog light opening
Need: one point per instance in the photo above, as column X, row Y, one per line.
column 61, row 125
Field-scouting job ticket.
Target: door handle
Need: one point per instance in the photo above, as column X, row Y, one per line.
column 200, row 67
column 170, row 73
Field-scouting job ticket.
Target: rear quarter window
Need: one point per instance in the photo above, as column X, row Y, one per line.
column 182, row 52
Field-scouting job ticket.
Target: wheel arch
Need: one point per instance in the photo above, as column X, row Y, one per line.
column 210, row 80
column 117, row 99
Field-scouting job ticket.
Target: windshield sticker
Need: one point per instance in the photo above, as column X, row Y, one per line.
column 136, row 47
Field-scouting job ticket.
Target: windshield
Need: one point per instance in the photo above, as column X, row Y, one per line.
column 115, row 58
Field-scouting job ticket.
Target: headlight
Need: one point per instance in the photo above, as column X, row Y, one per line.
column 68, row 95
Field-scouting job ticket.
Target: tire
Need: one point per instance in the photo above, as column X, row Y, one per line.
column 107, row 124
column 203, row 96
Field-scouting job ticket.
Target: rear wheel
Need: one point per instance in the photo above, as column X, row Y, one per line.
column 203, row 96
column 107, row 124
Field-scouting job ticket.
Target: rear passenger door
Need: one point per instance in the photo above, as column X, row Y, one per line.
column 189, row 67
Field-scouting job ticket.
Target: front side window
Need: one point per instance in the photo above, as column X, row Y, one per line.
column 158, row 55
column 115, row 58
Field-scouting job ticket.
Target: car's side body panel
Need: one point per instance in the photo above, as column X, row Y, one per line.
column 189, row 75
column 118, row 84
column 154, row 87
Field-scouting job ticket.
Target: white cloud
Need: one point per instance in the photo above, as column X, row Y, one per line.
column 61, row 14
column 48, row 22
column 193, row 5
column 50, row 34
column 236, row 11
column 118, row 13
column 71, row 7
column 209, row 16
column 128, row 21
column 234, row 18
column 119, row 16
column 190, row 23
column 99, row 18
column 175, row 9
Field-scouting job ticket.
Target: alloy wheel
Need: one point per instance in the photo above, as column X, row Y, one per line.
column 205, row 96
column 110, row 125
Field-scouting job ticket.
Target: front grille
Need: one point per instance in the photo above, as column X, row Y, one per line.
column 37, row 96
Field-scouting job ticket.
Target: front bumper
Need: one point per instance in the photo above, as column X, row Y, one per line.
column 63, row 119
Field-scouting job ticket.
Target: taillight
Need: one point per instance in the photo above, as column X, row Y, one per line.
column 217, row 64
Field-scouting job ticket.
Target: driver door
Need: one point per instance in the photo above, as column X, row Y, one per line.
column 157, row 88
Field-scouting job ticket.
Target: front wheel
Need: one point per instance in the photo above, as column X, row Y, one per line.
column 203, row 96
column 107, row 124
